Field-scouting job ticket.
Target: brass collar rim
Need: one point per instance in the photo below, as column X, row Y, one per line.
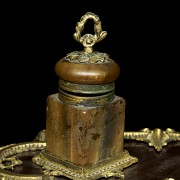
column 86, row 88
column 87, row 101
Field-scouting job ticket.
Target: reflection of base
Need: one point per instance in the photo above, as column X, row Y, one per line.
column 111, row 167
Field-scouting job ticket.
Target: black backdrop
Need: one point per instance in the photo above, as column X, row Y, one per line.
column 143, row 38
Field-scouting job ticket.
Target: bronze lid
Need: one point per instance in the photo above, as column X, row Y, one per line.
column 88, row 71
column 88, row 66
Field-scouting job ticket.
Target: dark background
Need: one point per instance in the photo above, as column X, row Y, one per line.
column 143, row 38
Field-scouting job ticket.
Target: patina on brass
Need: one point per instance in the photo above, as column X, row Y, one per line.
column 85, row 120
column 156, row 138
column 9, row 153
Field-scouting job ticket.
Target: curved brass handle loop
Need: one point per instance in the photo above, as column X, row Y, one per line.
column 88, row 40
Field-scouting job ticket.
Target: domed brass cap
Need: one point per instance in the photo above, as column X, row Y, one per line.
column 88, row 72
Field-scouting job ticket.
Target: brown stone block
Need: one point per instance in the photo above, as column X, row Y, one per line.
column 84, row 135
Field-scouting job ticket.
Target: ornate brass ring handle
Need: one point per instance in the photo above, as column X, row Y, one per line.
column 88, row 40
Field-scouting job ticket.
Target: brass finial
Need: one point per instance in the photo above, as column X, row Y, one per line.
column 88, row 40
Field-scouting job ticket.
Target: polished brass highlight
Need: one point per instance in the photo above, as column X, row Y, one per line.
column 7, row 146
column 88, row 40
column 156, row 138
column 11, row 176
column 13, row 162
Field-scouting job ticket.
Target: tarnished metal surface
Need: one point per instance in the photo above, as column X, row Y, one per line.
column 84, row 135
column 92, row 89
column 111, row 167
column 94, row 57
column 87, row 73
column 87, row 101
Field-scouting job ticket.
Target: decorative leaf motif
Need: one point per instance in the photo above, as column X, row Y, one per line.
column 102, row 36
column 157, row 137
column 88, row 38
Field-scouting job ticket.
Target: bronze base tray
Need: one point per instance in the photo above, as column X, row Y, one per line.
column 152, row 165
column 152, row 154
